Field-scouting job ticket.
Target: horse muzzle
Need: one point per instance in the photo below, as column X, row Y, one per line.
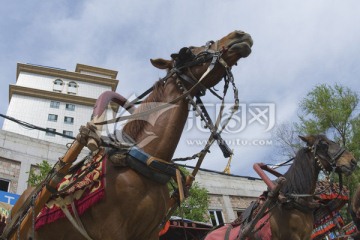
column 347, row 169
column 242, row 45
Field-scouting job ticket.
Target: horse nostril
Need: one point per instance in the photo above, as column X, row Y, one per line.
column 239, row 32
column 353, row 162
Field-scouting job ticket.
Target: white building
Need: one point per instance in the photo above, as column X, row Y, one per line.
column 229, row 195
column 51, row 98
column 55, row 99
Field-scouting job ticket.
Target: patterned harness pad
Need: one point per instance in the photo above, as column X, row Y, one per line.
column 85, row 192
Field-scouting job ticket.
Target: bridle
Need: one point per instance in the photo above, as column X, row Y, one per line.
column 214, row 56
column 186, row 59
column 331, row 158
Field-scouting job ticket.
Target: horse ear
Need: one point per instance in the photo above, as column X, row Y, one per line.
column 310, row 139
column 161, row 63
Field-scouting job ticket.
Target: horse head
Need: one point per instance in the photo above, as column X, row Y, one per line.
column 329, row 155
column 193, row 64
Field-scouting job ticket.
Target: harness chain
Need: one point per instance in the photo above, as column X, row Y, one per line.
column 215, row 135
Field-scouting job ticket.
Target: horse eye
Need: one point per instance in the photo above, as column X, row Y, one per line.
column 324, row 144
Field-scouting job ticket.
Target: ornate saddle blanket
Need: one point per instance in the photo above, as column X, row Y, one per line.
column 327, row 218
column 85, row 187
column 230, row 232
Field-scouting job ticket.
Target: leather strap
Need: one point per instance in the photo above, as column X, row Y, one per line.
column 227, row 233
column 76, row 222
column 153, row 162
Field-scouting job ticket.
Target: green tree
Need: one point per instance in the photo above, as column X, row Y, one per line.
column 38, row 174
column 330, row 110
column 195, row 206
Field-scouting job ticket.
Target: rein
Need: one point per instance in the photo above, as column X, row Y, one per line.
column 331, row 159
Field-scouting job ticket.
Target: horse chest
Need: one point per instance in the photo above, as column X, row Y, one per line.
column 291, row 224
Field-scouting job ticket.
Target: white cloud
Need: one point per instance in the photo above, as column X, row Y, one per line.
column 297, row 45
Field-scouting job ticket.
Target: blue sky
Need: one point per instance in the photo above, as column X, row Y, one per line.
column 297, row 45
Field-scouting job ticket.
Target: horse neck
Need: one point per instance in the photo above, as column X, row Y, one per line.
column 159, row 133
column 302, row 175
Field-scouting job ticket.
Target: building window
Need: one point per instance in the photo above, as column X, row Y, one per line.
column 216, row 217
column 72, row 84
column 58, row 85
column 68, row 133
column 4, row 185
column 70, row 107
column 52, row 117
column 54, row 104
column 50, row 132
column 69, row 120
column 58, row 82
column 72, row 87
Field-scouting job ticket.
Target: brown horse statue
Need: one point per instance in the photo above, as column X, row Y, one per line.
column 134, row 204
column 292, row 217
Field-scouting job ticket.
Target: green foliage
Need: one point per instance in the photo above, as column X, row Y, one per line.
column 37, row 175
column 196, row 205
column 354, row 139
column 329, row 109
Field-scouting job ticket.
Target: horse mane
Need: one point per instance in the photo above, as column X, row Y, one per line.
column 300, row 176
column 134, row 127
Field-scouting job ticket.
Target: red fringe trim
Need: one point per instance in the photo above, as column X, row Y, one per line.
column 334, row 196
column 83, row 204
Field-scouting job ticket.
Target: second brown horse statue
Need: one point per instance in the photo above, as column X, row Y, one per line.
column 134, row 205
column 292, row 217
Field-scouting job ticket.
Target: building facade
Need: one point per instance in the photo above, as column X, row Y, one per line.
column 229, row 195
column 55, row 99
column 18, row 154
column 51, row 98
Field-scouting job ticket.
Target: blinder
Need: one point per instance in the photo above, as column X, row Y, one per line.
column 186, row 59
column 185, row 55
column 337, row 155
column 331, row 158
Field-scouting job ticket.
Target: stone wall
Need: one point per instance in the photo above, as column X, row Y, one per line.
column 10, row 170
column 231, row 194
